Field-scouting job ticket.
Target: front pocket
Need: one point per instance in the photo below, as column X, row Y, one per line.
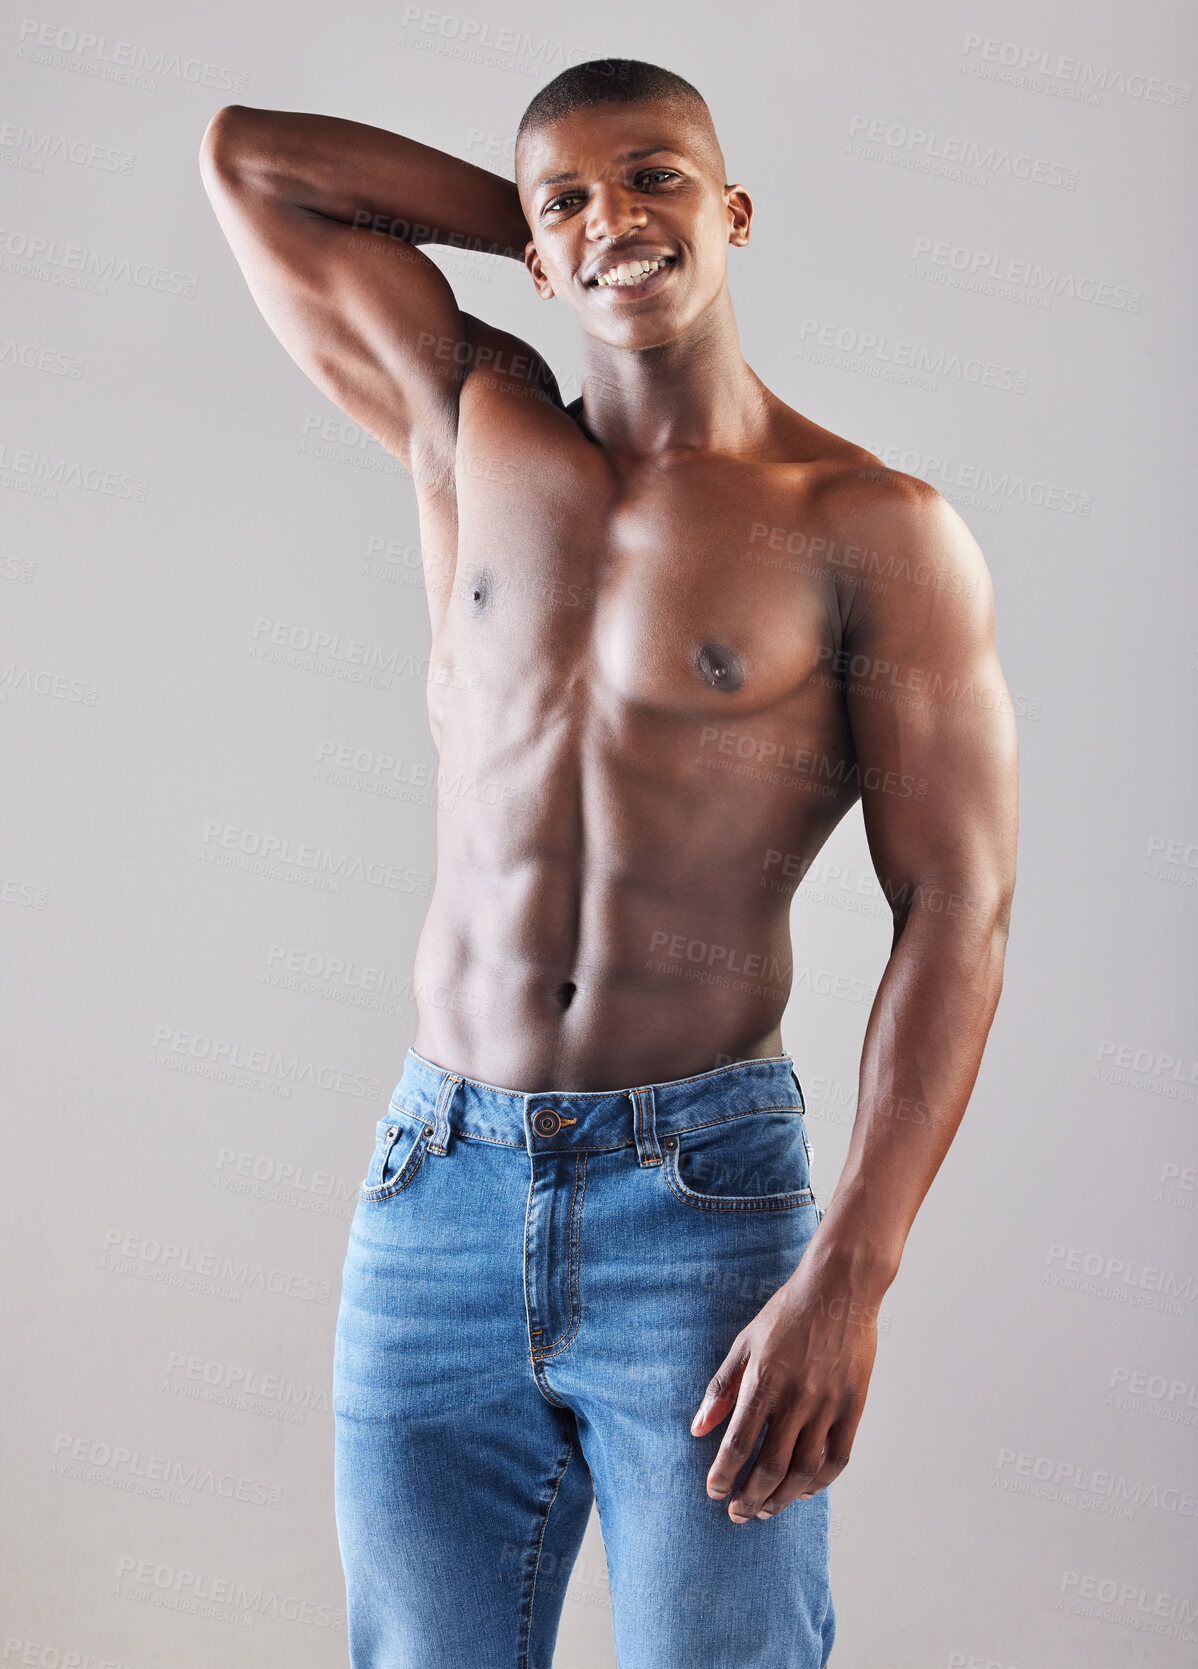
column 400, row 1146
column 757, row 1162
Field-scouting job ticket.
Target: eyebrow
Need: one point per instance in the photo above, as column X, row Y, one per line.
column 626, row 156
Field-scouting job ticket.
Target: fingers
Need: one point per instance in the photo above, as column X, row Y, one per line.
column 769, row 1470
column 754, row 1403
column 819, row 1456
column 711, row 1411
column 720, row 1394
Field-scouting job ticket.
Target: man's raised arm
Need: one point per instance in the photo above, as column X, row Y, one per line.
column 323, row 216
column 936, row 755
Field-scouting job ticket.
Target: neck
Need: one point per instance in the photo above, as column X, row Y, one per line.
column 693, row 393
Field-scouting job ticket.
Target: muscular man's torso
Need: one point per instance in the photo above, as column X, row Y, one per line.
column 632, row 670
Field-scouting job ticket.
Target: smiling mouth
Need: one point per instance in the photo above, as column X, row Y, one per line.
column 632, row 276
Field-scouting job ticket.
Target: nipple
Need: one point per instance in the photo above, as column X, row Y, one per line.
column 478, row 593
column 720, row 666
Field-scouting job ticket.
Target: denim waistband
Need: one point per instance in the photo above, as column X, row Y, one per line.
column 548, row 1121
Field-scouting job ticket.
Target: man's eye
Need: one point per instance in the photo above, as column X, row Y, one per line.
column 655, row 176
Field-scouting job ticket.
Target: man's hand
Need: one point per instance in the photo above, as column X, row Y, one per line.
column 802, row 1364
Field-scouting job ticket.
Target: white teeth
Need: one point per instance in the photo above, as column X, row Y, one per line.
column 629, row 272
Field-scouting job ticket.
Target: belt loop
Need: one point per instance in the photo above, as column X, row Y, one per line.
column 644, row 1123
column 799, row 1087
column 439, row 1141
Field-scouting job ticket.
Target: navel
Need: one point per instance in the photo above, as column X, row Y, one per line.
column 478, row 593
column 720, row 666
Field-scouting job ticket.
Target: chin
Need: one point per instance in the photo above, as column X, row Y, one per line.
column 648, row 331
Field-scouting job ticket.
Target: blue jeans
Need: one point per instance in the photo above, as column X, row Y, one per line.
column 537, row 1289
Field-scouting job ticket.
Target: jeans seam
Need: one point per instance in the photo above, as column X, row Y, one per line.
column 612, row 1147
column 558, row 1345
column 536, row 1565
column 399, row 1107
column 727, row 1118
column 542, row 1385
column 400, row 1181
column 734, row 1202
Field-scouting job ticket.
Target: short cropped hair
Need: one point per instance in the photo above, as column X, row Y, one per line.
column 611, row 81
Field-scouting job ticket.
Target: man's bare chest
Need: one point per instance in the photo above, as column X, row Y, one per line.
column 694, row 586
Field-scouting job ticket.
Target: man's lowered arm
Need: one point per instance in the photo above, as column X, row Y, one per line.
column 934, row 731
column 936, row 755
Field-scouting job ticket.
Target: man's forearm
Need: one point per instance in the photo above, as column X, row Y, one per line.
column 366, row 176
column 923, row 1046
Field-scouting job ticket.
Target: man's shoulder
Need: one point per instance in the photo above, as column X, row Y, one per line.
column 872, row 522
column 839, row 474
column 498, row 362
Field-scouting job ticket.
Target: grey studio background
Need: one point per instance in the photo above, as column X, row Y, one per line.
column 218, row 829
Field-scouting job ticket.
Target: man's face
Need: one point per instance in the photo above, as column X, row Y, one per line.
column 621, row 183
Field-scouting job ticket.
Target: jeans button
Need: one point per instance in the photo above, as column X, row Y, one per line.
column 547, row 1122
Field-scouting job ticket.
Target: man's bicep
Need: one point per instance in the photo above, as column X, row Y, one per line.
column 932, row 721
column 369, row 318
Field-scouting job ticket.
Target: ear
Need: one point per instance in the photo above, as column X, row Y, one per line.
column 533, row 262
column 740, row 212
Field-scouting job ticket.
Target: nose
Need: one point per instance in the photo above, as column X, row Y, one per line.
column 613, row 210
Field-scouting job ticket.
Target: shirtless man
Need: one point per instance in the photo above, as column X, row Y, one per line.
column 680, row 629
